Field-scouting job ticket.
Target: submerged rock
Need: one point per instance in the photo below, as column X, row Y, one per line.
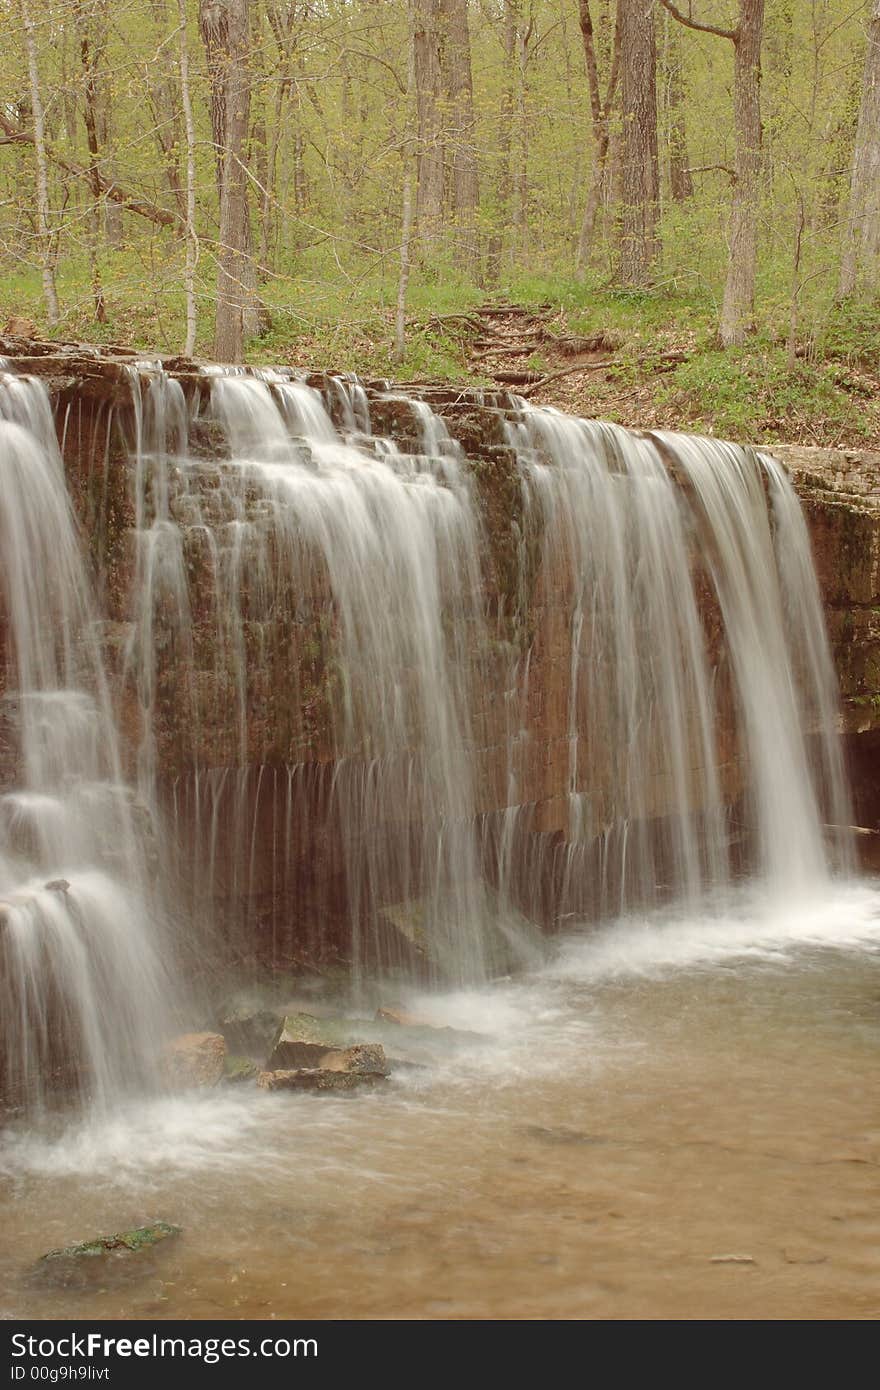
column 195, row 1059
column 123, row 1243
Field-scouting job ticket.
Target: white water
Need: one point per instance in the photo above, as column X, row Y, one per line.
column 84, row 990
column 345, row 572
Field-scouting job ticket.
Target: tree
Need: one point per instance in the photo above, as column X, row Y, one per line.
column 738, row 306
column 639, row 242
column 225, row 27
column 44, row 225
column 681, row 184
column 459, row 87
column 192, row 246
column 429, row 183
column 860, row 265
column 600, row 113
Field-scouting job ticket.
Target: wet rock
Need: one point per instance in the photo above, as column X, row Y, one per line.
column 318, row 1079
column 238, row 1069
column 334, row 1069
column 131, row 1242
column 195, row 1059
column 58, row 885
column 249, row 1027
column 867, row 844
column 367, row 1058
column 303, row 1040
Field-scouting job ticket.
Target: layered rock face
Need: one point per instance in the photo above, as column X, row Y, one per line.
column 235, row 709
column 840, row 495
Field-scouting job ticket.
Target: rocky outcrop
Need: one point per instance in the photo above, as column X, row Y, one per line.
column 287, row 666
column 840, row 493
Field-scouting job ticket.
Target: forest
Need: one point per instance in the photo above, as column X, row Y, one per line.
column 680, row 202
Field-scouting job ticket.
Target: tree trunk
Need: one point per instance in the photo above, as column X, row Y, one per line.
column 409, row 175
column 600, row 112
column 639, row 243
column 429, row 186
column 192, row 245
column 504, row 183
column 521, row 209
column 860, row 265
column 739, row 291
column 459, row 87
column 44, row 227
column 88, row 61
column 681, row 185
column 225, row 28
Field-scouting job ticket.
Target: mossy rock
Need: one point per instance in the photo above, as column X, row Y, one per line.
column 124, row 1242
column 238, row 1069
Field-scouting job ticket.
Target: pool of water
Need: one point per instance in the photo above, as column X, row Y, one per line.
column 672, row 1118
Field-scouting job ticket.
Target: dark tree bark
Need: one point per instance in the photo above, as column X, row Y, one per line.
column 860, row 264
column 639, row 242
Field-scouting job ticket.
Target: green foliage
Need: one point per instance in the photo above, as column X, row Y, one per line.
column 753, row 394
column 852, row 332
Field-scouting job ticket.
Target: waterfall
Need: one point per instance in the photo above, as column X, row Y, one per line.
column 344, row 741
column 84, row 990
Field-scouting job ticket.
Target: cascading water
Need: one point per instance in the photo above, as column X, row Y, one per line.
column 321, row 681
column 650, row 534
column 83, row 989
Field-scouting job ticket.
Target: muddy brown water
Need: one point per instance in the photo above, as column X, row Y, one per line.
column 672, row 1119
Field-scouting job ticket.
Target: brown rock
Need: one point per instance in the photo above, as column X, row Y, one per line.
column 195, row 1059
column 363, row 1058
column 317, row 1079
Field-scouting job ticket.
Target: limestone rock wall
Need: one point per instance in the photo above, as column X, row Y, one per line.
column 286, row 673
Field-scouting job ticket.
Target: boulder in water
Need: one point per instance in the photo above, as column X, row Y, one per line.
column 238, row 1069
column 303, row 1040
column 335, row 1069
column 318, row 1079
column 195, row 1059
column 249, row 1027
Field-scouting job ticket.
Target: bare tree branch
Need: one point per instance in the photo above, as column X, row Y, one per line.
column 13, row 135
column 689, row 23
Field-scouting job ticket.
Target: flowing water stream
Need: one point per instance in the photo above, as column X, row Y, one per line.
column 661, row 1109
